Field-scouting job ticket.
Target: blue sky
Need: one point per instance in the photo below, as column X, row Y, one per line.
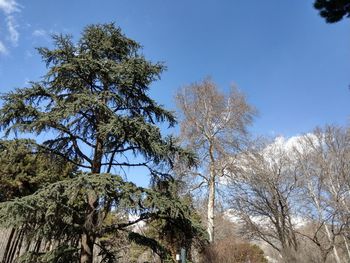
column 293, row 67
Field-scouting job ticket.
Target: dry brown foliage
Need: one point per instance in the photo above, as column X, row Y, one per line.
column 230, row 251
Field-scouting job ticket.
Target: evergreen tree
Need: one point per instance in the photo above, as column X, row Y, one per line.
column 179, row 232
column 94, row 105
column 333, row 10
column 57, row 215
column 24, row 169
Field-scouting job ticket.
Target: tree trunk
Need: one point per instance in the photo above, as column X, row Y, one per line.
column 14, row 247
column 211, row 204
column 87, row 248
column 37, row 245
column 8, row 245
column 88, row 238
column 20, row 245
column 211, row 194
column 335, row 252
column 347, row 247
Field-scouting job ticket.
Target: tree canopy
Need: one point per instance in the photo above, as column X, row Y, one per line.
column 94, row 101
column 24, row 169
column 333, row 10
column 95, row 112
column 215, row 125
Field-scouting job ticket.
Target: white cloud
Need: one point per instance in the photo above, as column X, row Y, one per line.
column 3, row 49
column 281, row 148
column 12, row 29
column 10, row 8
column 39, row 33
column 288, row 146
column 234, row 216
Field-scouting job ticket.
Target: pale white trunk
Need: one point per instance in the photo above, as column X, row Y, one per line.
column 211, row 203
column 344, row 206
column 211, row 194
column 347, row 246
column 336, row 256
column 316, row 201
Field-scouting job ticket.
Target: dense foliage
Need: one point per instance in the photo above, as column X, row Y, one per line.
column 94, row 110
column 24, row 168
column 333, row 10
column 56, row 213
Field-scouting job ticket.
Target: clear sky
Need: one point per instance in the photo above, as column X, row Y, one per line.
column 294, row 68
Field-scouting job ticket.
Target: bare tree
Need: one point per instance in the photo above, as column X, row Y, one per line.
column 323, row 158
column 214, row 125
column 277, row 186
column 263, row 194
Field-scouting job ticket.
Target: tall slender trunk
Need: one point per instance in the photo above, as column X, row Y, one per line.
column 20, row 245
column 346, row 246
column 335, row 252
column 211, row 203
column 329, row 236
column 14, row 247
column 28, row 244
column 8, row 245
column 211, row 197
column 37, row 245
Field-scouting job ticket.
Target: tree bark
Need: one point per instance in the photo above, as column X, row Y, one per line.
column 211, row 202
column 346, row 246
column 14, row 247
column 335, row 252
column 20, row 245
column 211, row 197
column 88, row 238
column 87, row 248
column 8, row 245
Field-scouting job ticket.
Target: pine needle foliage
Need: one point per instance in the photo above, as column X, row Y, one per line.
column 94, row 101
column 24, row 169
column 333, row 10
column 94, row 108
column 57, row 212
